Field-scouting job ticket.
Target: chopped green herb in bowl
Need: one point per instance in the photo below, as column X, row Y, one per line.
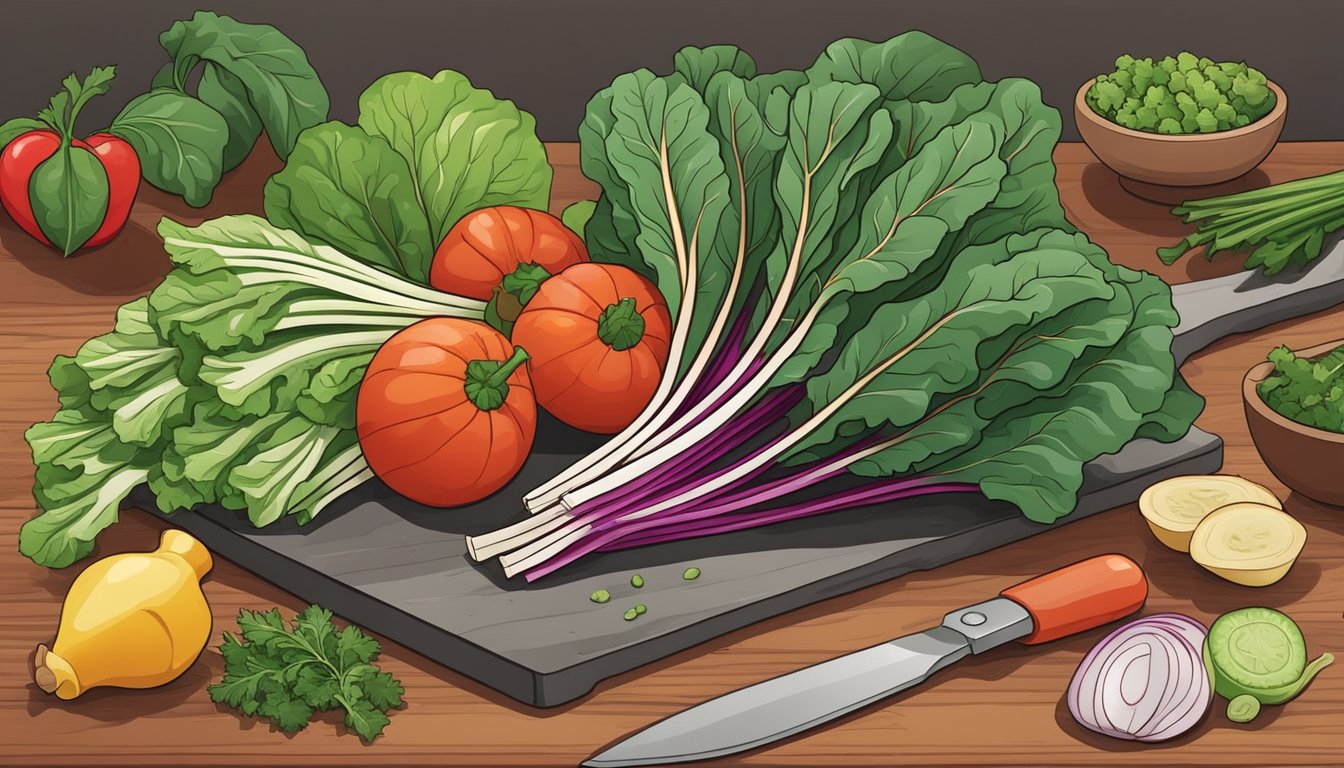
column 1295, row 413
column 1181, row 94
column 1308, row 391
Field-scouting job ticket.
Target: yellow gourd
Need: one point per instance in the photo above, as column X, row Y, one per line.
column 135, row 620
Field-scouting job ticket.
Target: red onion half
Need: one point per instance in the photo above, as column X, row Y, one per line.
column 1145, row 681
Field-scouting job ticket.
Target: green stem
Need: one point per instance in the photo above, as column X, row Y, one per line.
column 487, row 384
column 501, row 375
column 620, row 326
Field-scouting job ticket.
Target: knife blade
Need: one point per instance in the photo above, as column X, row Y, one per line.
column 1071, row 599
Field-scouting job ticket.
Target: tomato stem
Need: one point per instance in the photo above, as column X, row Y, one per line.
column 487, row 384
column 500, row 376
column 620, row 326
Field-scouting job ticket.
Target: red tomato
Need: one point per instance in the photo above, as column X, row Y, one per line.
column 488, row 244
column 430, row 436
column 598, row 337
column 23, row 155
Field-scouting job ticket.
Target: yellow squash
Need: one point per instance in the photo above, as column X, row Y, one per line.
column 135, row 620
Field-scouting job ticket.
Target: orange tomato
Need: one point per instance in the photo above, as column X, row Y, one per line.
column 598, row 337
column 445, row 413
column 487, row 244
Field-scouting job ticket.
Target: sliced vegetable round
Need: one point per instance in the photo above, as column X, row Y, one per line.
column 1145, row 681
column 1258, row 653
column 445, row 413
column 1174, row 507
column 598, row 335
column 486, row 245
column 1248, row 543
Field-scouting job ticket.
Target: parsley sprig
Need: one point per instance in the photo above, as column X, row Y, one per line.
column 285, row 674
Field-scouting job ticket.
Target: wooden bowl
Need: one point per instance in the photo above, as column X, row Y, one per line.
column 1306, row 459
column 1178, row 168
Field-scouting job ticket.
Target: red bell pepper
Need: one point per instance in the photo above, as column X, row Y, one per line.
column 69, row 193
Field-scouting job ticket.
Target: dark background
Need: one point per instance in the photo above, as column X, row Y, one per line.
column 549, row 56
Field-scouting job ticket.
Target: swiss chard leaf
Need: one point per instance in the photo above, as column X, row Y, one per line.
column 910, row 67
column 670, row 167
column 910, row 352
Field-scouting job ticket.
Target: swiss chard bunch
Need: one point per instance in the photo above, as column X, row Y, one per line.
column 287, row 673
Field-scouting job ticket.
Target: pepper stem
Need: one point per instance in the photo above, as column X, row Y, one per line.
column 487, row 384
column 620, row 326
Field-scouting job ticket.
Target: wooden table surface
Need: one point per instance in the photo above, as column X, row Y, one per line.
column 1004, row 708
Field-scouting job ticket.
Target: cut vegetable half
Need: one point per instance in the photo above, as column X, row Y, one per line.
column 1258, row 656
column 1248, row 543
column 1145, row 681
column 1174, row 507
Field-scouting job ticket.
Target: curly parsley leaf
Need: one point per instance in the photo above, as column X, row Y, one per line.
column 286, row 673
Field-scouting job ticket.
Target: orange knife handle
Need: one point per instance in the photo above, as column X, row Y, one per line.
column 1081, row 596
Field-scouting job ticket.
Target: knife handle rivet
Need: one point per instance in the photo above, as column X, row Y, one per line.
column 973, row 618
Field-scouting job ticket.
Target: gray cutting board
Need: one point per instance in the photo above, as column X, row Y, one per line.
column 401, row 570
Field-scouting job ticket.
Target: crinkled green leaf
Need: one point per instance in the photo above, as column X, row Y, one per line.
column 465, row 148
column 354, row 193
column 910, row 67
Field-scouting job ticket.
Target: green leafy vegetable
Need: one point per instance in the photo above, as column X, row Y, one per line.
column 1308, row 391
column 1181, row 94
column 358, row 197
column 1283, row 225
column 252, row 78
column 287, row 673
column 258, row 60
column 426, row 152
column 466, row 149
column 180, row 141
column 234, row 382
column 871, row 275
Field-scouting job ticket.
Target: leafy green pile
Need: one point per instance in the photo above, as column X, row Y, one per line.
column 234, row 382
column 1308, row 391
column 286, row 674
column 1181, row 94
column 874, row 252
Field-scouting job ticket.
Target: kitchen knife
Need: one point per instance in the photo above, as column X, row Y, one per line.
column 1072, row 599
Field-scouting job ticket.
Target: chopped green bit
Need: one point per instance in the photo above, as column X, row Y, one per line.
column 1308, row 391
column 631, row 614
column 1181, row 94
column 637, row 581
column 640, row 609
column 600, row 596
column 690, row 574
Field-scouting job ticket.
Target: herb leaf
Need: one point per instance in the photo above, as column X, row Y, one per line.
column 286, row 673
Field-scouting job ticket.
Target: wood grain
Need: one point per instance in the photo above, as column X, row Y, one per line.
column 1005, row 708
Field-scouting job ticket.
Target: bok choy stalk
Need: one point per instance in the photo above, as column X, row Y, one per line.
column 919, row 310
column 234, row 382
